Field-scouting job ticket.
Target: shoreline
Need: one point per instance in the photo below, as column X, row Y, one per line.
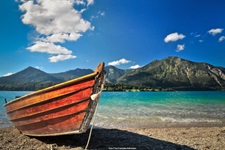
column 121, row 138
column 8, row 124
column 132, row 123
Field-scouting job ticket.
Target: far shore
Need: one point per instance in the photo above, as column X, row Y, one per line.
column 187, row 138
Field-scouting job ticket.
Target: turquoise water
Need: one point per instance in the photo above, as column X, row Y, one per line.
column 150, row 109
column 9, row 95
column 161, row 109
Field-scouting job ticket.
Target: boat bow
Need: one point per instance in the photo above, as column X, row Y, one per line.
column 65, row 108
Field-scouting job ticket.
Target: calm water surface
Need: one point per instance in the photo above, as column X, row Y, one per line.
column 150, row 109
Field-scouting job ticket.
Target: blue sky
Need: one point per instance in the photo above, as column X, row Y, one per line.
column 60, row 35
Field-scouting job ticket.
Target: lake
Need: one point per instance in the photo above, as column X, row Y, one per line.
column 149, row 109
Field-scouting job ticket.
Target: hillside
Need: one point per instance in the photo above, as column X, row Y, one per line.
column 68, row 75
column 34, row 79
column 113, row 74
column 176, row 73
column 29, row 74
column 171, row 73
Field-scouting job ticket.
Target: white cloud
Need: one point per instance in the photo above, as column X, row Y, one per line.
column 52, row 17
column 221, row 38
column 47, row 47
column 119, row 62
column 90, row 2
column 38, row 67
column 8, row 74
column 174, row 37
column 61, row 57
column 79, row 2
column 61, row 37
column 50, row 48
column 135, row 67
column 55, row 21
column 180, row 47
column 215, row 31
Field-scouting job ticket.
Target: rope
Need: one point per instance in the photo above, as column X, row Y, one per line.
column 89, row 137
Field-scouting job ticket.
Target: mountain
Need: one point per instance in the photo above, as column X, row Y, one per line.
column 29, row 74
column 68, row 75
column 177, row 74
column 171, row 73
column 35, row 79
column 113, row 74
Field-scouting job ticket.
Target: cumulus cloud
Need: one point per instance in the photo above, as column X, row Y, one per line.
column 61, row 37
column 79, row 2
column 221, row 38
column 48, row 47
column 8, row 74
column 56, row 22
column 215, row 31
column 135, row 67
column 119, row 62
column 180, row 47
column 61, row 57
column 174, row 37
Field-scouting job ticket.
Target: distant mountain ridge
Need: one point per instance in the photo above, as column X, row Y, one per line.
column 29, row 74
column 68, row 75
column 170, row 73
column 35, row 79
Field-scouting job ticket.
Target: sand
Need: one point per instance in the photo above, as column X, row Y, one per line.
column 201, row 138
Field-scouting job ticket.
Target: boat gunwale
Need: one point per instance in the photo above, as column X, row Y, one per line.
column 54, row 87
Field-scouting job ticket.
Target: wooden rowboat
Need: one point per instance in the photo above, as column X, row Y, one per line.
column 66, row 108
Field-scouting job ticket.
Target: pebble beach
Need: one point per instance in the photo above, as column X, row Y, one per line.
column 187, row 138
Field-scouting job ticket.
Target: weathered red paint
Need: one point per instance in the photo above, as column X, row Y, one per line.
column 61, row 109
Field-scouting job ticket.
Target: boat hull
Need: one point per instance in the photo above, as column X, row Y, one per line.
column 66, row 108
